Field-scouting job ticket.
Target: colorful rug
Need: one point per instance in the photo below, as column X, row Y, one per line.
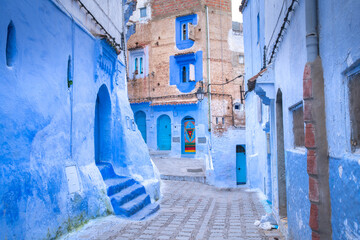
column 190, row 141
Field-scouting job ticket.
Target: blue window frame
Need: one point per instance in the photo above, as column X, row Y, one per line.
column 138, row 65
column 186, row 70
column 143, row 12
column 182, row 31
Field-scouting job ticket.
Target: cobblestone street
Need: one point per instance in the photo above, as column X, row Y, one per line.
column 189, row 211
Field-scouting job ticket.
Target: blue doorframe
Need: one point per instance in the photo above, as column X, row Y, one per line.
column 164, row 132
column 102, row 126
column 240, row 164
column 188, row 136
column 140, row 119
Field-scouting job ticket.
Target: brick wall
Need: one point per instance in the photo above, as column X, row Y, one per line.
column 225, row 5
column 158, row 35
column 317, row 155
column 164, row 8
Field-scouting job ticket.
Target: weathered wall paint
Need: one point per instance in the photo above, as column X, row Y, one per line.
column 340, row 50
column 41, row 135
column 284, row 74
column 223, row 154
column 297, row 195
column 176, row 113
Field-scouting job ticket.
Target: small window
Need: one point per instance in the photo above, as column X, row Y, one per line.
column 10, row 45
column 184, row 74
column 141, row 66
column 143, row 12
column 298, row 127
column 241, row 59
column 354, row 104
column 237, row 106
column 184, row 31
column 223, row 120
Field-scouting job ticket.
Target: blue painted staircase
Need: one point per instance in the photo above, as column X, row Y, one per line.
column 128, row 197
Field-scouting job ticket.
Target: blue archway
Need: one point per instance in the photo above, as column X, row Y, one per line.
column 164, row 132
column 102, row 128
column 188, row 136
column 140, row 119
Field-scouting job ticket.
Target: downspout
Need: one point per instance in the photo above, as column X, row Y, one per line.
column 315, row 134
column 208, row 66
column 312, row 42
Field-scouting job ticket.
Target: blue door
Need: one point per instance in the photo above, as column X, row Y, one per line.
column 164, row 132
column 240, row 164
column 140, row 119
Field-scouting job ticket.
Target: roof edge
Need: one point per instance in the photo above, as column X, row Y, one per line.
column 243, row 5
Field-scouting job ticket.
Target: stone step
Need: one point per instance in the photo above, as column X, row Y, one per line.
column 106, row 170
column 200, row 179
column 127, row 194
column 128, row 197
column 116, row 185
column 145, row 212
column 130, row 208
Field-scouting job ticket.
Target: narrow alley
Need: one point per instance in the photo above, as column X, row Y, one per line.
column 179, row 119
column 189, row 210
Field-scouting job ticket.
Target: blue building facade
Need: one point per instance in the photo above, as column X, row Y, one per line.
column 188, row 50
column 64, row 112
column 300, row 114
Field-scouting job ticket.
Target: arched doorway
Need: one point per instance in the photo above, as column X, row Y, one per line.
column 188, row 142
column 164, row 132
column 281, row 167
column 140, row 119
column 102, row 128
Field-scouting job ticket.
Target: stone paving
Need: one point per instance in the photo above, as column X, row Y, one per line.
column 183, row 169
column 189, row 210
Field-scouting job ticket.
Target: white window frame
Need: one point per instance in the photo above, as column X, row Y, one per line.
column 137, row 54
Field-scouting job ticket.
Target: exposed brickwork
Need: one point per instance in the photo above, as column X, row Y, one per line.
column 314, row 214
column 224, row 5
column 307, row 111
column 165, row 8
column 309, row 135
column 311, row 162
column 315, row 236
column 158, row 36
column 307, row 88
column 313, row 189
column 316, row 144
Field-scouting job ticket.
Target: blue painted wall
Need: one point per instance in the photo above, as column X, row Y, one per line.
column 176, row 113
column 284, row 73
column 223, row 154
column 175, row 70
column 339, row 51
column 298, row 196
column 45, row 126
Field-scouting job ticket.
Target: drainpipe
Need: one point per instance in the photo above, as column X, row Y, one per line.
column 315, row 133
column 312, row 43
column 208, row 65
